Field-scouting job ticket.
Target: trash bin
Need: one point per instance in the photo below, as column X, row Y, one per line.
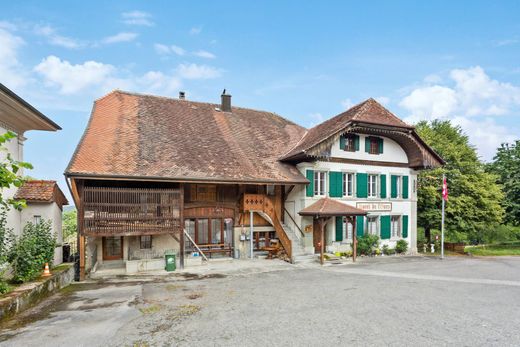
column 169, row 257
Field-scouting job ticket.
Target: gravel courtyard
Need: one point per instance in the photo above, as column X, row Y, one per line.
column 388, row 301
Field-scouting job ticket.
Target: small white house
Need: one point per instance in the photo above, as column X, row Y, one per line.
column 45, row 201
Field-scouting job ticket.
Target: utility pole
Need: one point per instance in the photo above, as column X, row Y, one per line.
column 444, row 198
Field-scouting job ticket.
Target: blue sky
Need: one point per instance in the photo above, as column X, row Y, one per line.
column 306, row 61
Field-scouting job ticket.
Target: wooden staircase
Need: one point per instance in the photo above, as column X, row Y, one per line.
column 264, row 206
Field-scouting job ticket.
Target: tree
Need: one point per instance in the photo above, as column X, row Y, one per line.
column 474, row 205
column 506, row 165
column 70, row 226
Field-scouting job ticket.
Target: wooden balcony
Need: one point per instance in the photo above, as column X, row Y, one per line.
column 110, row 211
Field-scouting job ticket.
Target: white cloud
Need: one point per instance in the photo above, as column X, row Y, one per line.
column 195, row 30
column 73, row 78
column 430, row 102
column 11, row 72
column 120, row 37
column 204, row 54
column 347, row 103
column 56, row 39
column 156, row 81
column 194, row 71
column 166, row 50
column 137, row 18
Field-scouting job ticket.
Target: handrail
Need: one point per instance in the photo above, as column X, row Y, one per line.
column 296, row 224
column 198, row 249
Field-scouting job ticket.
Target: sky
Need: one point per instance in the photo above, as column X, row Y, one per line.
column 305, row 60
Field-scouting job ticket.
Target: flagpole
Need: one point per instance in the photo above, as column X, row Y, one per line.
column 442, row 219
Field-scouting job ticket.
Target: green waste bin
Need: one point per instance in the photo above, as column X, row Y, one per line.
column 169, row 257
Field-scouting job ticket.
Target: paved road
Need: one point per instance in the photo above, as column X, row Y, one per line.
column 390, row 301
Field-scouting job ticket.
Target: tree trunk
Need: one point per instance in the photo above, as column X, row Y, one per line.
column 428, row 234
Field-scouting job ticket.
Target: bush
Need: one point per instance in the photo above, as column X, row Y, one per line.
column 367, row 244
column 31, row 251
column 401, row 246
column 385, row 249
column 391, row 251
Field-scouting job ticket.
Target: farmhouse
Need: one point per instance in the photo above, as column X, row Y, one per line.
column 154, row 174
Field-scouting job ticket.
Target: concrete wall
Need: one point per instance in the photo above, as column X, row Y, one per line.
column 297, row 199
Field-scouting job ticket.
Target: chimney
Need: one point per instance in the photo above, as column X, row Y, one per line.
column 182, row 95
column 225, row 102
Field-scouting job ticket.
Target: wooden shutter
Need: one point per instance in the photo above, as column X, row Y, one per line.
column 339, row 229
column 385, row 227
column 383, row 186
column 367, row 144
column 393, row 186
column 404, row 234
column 380, row 140
column 356, row 142
column 310, row 187
column 405, row 187
column 342, row 142
column 360, row 223
column 361, row 185
column 335, row 184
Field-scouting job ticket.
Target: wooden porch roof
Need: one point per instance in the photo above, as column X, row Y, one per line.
column 326, row 207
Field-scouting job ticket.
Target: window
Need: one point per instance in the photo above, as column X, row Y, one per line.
column 203, row 192
column 37, row 219
column 270, row 190
column 319, row 183
column 216, row 230
column 372, row 225
column 395, row 224
column 398, row 186
column 372, row 186
column 348, row 184
column 146, row 241
column 348, row 228
column 374, row 145
column 350, row 145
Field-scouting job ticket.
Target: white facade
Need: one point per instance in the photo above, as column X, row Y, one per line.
column 392, row 160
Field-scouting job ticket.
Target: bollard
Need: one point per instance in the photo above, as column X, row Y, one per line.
column 433, row 247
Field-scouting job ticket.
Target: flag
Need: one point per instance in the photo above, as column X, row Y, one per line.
column 445, row 189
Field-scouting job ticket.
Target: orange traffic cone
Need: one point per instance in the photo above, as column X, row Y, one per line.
column 46, row 272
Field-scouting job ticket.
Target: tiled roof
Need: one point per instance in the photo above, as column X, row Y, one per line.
column 41, row 191
column 330, row 207
column 144, row 136
column 367, row 112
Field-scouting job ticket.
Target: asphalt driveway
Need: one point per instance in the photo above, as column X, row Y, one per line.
column 385, row 301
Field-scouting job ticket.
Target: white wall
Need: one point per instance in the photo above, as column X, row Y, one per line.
column 392, row 151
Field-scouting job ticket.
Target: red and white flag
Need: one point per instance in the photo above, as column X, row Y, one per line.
column 445, row 189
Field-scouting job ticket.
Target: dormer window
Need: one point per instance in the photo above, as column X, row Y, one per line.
column 349, row 142
column 373, row 145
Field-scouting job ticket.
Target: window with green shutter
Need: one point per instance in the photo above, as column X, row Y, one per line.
column 339, row 229
column 360, row 224
column 367, row 144
column 383, row 186
column 335, row 184
column 356, row 143
column 405, row 226
column 342, row 142
column 385, row 227
column 361, row 185
column 393, row 186
column 405, row 187
column 380, row 140
column 310, row 187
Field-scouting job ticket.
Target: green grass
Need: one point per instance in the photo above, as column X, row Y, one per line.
column 512, row 248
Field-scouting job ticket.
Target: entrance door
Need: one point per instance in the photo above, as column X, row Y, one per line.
column 316, row 235
column 112, row 248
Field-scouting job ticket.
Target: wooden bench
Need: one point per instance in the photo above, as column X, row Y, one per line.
column 210, row 248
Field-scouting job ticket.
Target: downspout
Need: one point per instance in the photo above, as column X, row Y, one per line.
column 251, row 232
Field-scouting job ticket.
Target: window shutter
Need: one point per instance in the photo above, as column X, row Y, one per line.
column 383, row 186
column 360, row 223
column 385, row 227
column 339, row 229
column 356, row 142
column 361, row 185
column 310, row 187
column 393, row 186
column 405, row 187
column 342, row 142
column 380, row 140
column 367, row 144
column 405, row 227
column 335, row 184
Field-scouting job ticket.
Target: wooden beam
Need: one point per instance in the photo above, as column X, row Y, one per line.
column 322, row 241
column 81, row 258
column 354, row 239
column 181, row 229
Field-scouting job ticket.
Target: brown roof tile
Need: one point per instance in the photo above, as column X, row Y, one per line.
column 330, row 207
column 144, row 136
column 41, row 191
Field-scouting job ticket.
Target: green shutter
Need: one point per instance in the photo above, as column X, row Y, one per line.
column 339, row 228
column 383, row 186
column 361, row 185
column 335, row 184
column 356, row 142
column 367, row 144
column 385, row 227
column 393, row 186
column 310, row 187
column 405, row 187
column 342, row 142
column 405, row 226
column 380, row 145
column 360, row 223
